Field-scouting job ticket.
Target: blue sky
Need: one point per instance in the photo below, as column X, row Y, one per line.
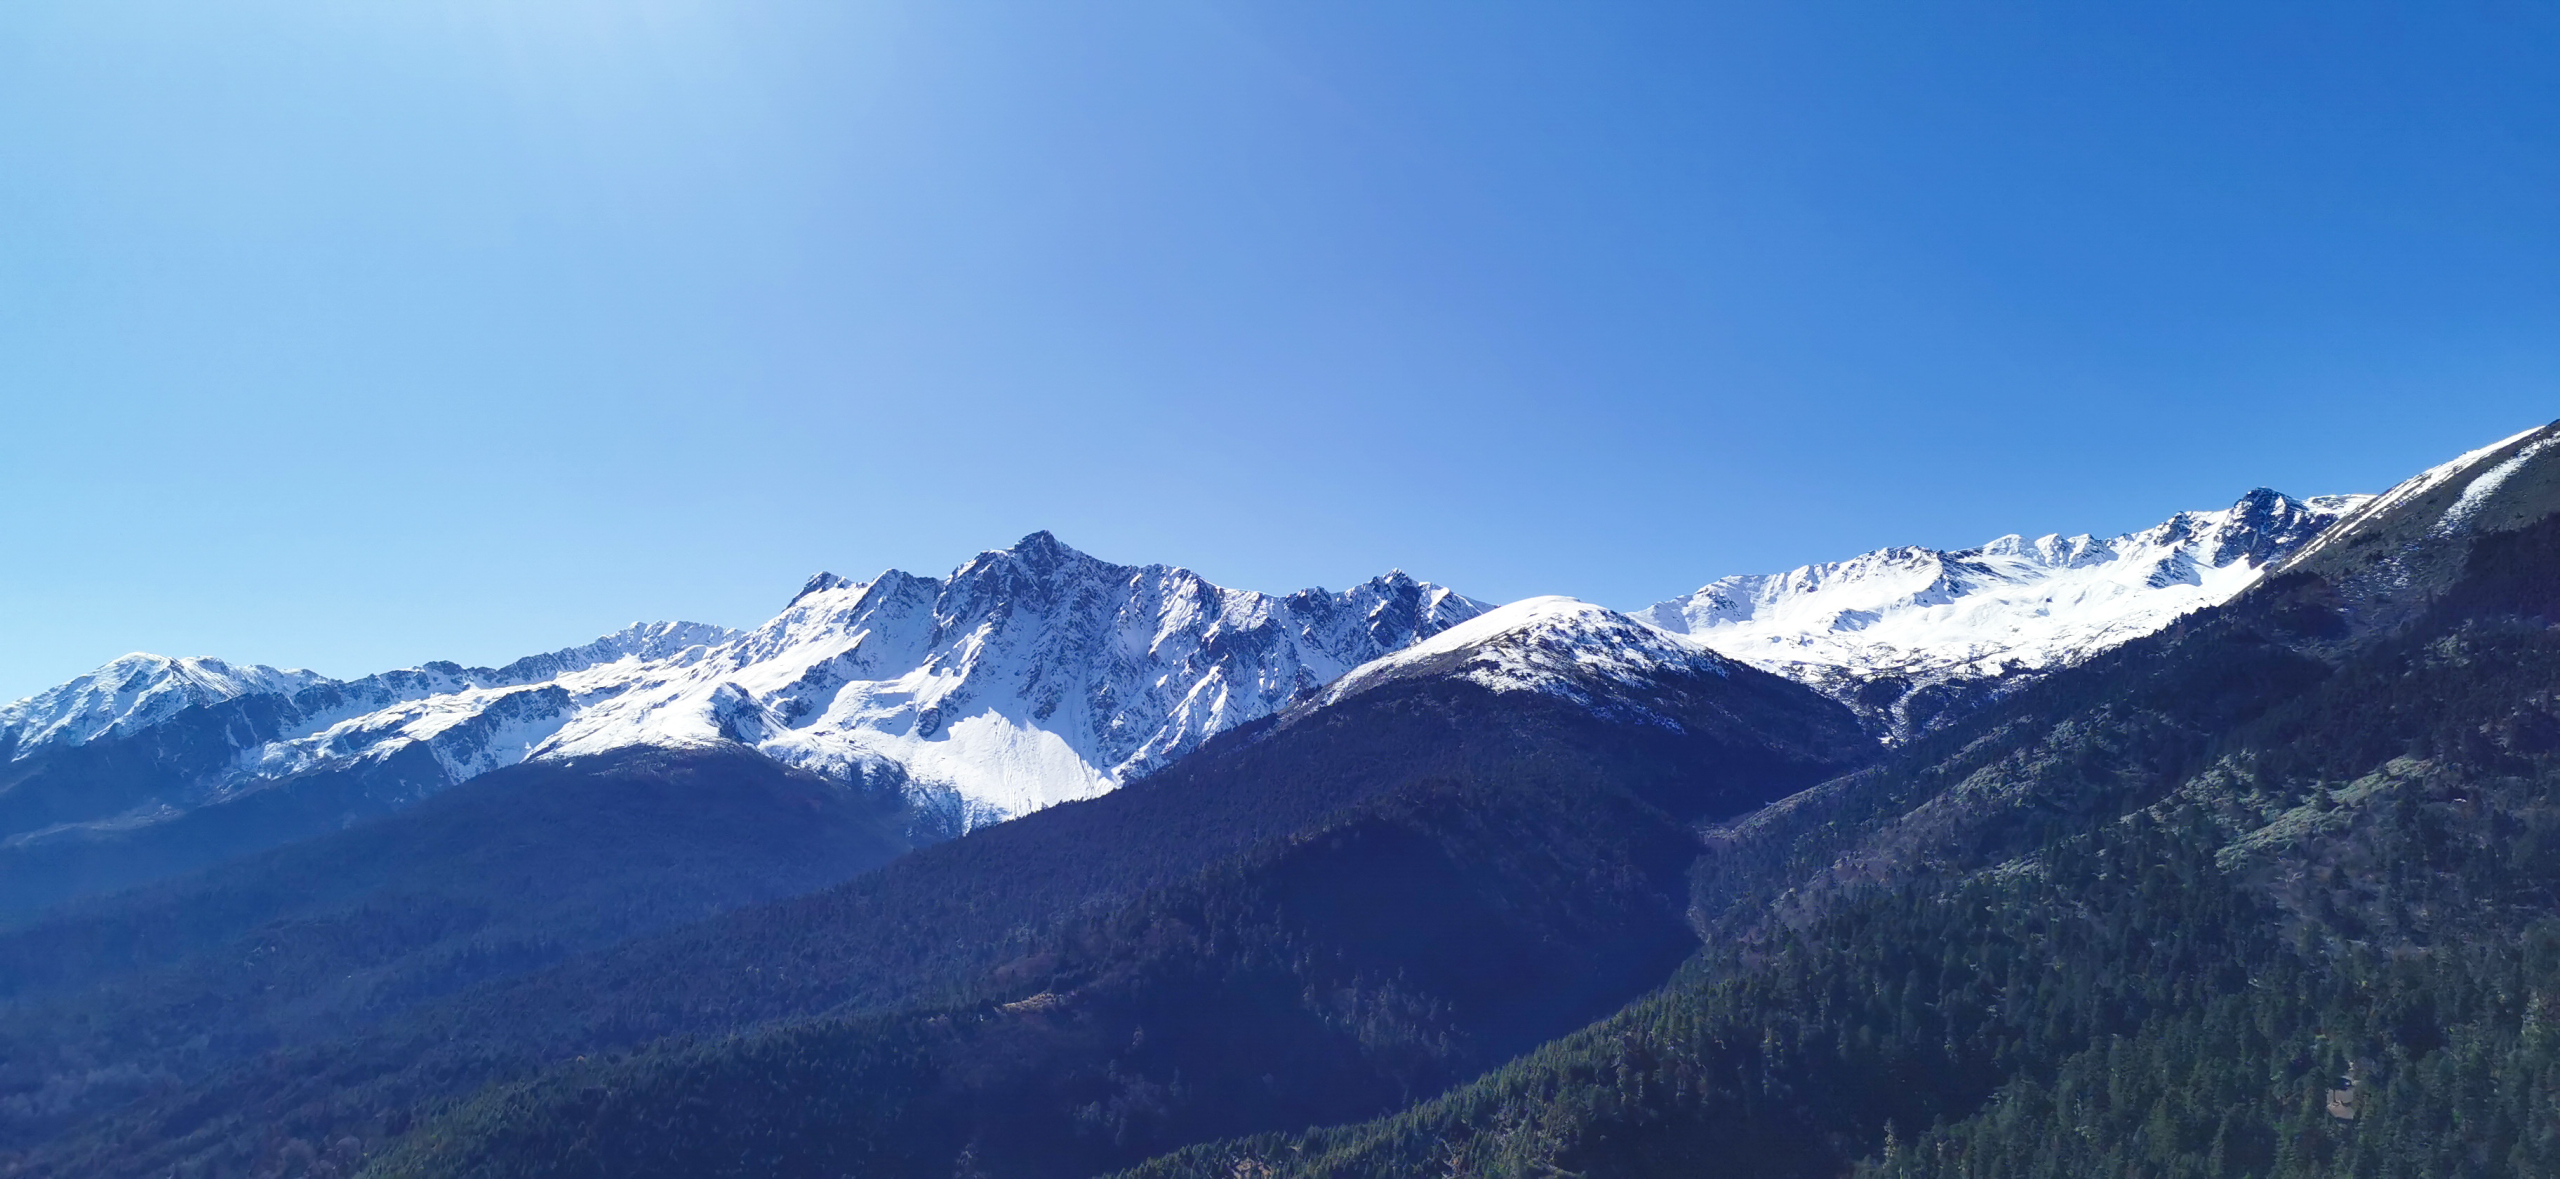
column 354, row 335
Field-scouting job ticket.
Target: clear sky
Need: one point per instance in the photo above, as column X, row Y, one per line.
column 352, row 335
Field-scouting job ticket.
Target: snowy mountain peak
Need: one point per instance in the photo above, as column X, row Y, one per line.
column 819, row 582
column 1557, row 645
column 1031, row 675
column 1929, row 618
column 1043, row 547
column 1037, row 673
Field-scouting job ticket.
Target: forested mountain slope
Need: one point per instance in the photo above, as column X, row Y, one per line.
column 1362, row 899
column 2271, row 893
column 111, row 999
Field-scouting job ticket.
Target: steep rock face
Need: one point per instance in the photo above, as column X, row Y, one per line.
column 1030, row 676
column 1909, row 636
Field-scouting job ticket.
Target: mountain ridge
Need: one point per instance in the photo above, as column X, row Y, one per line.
column 1911, row 636
column 1036, row 673
column 1031, row 675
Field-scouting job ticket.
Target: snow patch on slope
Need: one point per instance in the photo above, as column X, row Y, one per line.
column 2476, row 494
column 2375, row 507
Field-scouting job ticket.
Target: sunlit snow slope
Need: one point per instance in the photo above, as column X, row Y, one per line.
column 1904, row 634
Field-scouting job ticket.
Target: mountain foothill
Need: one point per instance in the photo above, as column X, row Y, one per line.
column 2227, row 847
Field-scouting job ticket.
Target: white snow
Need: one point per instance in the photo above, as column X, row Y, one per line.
column 1036, row 674
column 1031, row 676
column 1557, row 645
column 2477, row 492
column 2407, row 489
column 133, row 693
column 2009, row 605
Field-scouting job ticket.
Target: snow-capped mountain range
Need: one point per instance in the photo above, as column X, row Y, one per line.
column 1890, row 632
column 1030, row 676
column 1037, row 674
column 137, row 692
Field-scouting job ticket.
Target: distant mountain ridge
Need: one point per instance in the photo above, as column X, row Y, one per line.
column 1030, row 676
column 1037, row 674
column 1908, row 636
column 140, row 690
column 1382, row 892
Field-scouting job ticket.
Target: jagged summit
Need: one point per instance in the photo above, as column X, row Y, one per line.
column 1031, row 675
column 1896, row 631
column 818, row 582
column 1041, row 547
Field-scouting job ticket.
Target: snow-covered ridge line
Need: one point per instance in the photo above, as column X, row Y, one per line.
column 1556, row 645
column 139, row 690
column 133, row 692
column 2374, row 507
column 1029, row 676
column 2476, row 494
column 1896, row 627
column 1036, row 674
